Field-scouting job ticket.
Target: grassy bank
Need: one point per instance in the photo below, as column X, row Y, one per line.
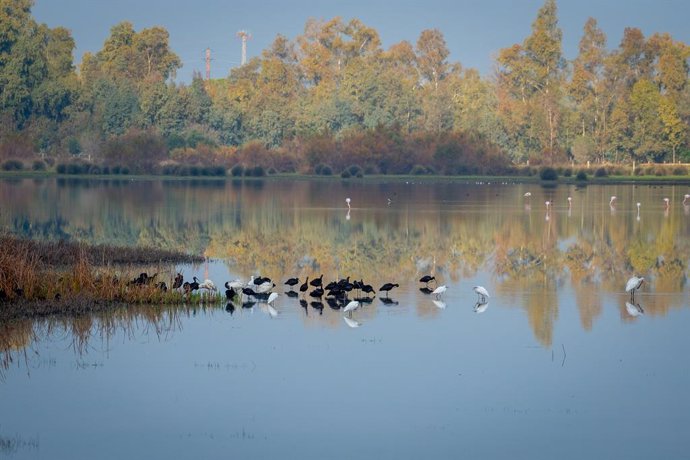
column 44, row 278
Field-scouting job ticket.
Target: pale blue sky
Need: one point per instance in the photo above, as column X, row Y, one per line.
column 474, row 30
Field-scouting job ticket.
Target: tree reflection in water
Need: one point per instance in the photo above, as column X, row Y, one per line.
column 298, row 228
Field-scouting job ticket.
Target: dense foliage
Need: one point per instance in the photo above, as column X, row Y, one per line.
column 333, row 97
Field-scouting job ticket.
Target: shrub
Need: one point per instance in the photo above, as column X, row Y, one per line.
column 218, row 171
column 116, row 169
column 50, row 161
column 61, row 168
column 39, row 165
column 326, row 171
column 12, row 165
column 659, row 171
column 259, row 171
column 418, row 170
column 345, row 174
column 124, row 170
column 272, row 171
column 601, row 172
column 548, row 173
column 73, row 168
column 194, row 170
column 567, row 172
column 354, row 170
column 106, row 169
column 237, row 171
column 680, row 171
column 581, row 175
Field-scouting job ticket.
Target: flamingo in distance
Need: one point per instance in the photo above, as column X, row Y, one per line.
column 633, row 285
column 481, row 292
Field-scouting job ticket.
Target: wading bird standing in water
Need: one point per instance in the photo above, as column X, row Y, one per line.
column 482, row 293
column 633, row 285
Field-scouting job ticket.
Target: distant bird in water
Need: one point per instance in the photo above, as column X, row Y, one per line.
column 570, row 201
column 612, row 201
column 686, row 199
column 177, row 283
column 438, row 292
column 351, row 306
column 229, row 291
column 347, row 200
column 317, row 282
column 387, row 287
column 292, row 282
column 305, row 286
column 633, row 309
column 426, row 279
column 633, row 285
column 481, row 292
column 527, row 194
column 667, row 203
column 638, row 210
column 272, row 298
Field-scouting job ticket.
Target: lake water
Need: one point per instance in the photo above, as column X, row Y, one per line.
column 556, row 365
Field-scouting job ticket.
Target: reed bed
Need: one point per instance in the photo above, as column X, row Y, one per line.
column 44, row 278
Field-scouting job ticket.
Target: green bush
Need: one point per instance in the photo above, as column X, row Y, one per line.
column 418, row 170
column 567, row 172
column 272, row 171
column 124, row 170
column 345, row 174
column 237, row 171
column 12, row 165
column 326, row 170
column 548, row 173
column 61, row 168
column 354, row 170
column 601, row 172
column 680, row 171
column 258, row 171
column 581, row 175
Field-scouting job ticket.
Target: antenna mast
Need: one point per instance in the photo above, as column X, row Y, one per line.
column 244, row 36
column 208, row 63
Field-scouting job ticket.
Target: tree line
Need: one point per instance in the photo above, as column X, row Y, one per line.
column 332, row 99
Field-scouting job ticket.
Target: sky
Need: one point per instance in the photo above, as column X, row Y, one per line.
column 475, row 30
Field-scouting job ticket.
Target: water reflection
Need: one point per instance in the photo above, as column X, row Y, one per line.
column 481, row 306
column 456, row 231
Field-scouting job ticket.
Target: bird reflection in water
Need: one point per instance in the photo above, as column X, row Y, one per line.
column 439, row 304
column 481, row 306
column 634, row 309
column 317, row 306
column 426, row 290
column 230, row 308
column 303, row 303
column 388, row 301
column 351, row 322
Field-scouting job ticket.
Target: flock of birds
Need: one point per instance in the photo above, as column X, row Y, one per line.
column 348, row 296
column 612, row 204
column 343, row 294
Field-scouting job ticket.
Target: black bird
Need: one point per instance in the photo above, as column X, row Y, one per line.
column 249, row 292
column 317, row 282
column 387, row 287
column 162, row 286
column 303, row 288
column 178, row 281
column 292, row 282
column 195, row 284
column 229, row 292
column 367, row 289
column 427, row 279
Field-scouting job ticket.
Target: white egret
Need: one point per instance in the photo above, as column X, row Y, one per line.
column 638, row 210
column 347, row 200
column 633, row 310
column 633, row 285
column 570, row 201
column 272, row 298
column 686, row 199
column 527, row 194
column 667, row 203
column 351, row 306
column 481, row 292
column 438, row 292
column 612, row 201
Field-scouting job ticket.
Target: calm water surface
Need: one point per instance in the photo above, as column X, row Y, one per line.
column 555, row 366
